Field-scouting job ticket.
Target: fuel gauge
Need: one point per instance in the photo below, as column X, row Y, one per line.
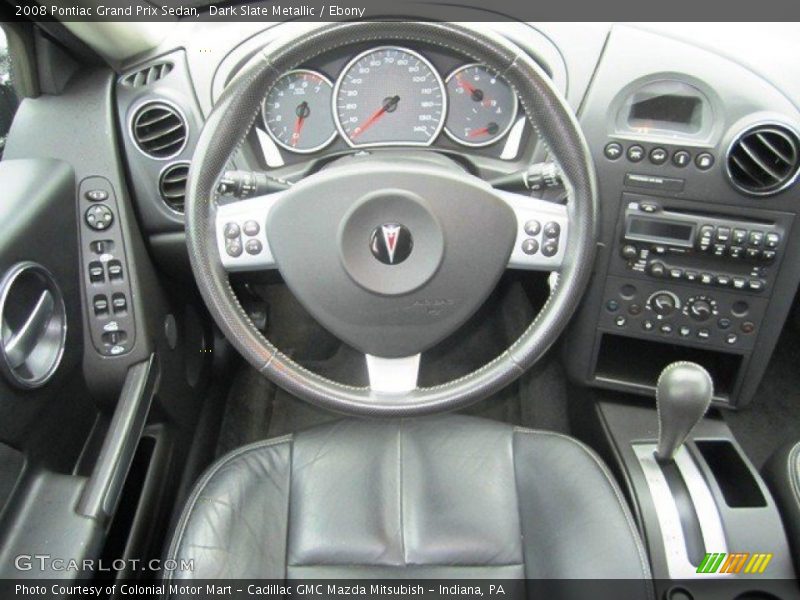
column 483, row 106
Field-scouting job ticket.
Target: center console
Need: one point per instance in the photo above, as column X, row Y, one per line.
column 697, row 161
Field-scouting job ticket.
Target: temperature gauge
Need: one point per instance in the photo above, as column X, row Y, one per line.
column 482, row 106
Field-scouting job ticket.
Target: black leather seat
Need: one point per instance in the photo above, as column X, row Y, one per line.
column 782, row 474
column 450, row 496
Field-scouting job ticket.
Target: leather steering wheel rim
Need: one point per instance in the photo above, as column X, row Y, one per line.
column 229, row 123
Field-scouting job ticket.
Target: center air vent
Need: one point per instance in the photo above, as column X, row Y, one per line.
column 148, row 75
column 159, row 130
column 764, row 159
column 172, row 185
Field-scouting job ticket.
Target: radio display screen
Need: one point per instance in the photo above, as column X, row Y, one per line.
column 666, row 230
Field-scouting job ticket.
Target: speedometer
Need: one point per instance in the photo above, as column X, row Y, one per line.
column 389, row 96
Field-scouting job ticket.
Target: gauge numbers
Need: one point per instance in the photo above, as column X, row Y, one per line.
column 389, row 96
column 482, row 106
column 297, row 111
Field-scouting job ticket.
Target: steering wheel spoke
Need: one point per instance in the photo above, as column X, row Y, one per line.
column 393, row 375
column 542, row 230
column 241, row 232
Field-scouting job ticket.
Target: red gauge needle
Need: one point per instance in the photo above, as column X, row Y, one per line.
column 302, row 113
column 388, row 106
column 490, row 129
column 476, row 94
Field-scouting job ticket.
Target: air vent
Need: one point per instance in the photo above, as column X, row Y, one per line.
column 148, row 75
column 764, row 159
column 159, row 130
column 172, row 185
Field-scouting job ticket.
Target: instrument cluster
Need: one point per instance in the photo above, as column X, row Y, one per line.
column 389, row 96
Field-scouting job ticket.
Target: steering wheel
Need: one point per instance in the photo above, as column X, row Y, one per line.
column 392, row 251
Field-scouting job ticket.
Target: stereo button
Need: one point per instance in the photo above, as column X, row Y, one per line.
column 768, row 255
column 723, row 280
column 635, row 153
column 739, row 283
column 736, row 251
column 739, row 236
column 681, row 158
column 704, row 161
column 657, row 269
column 753, row 253
column 756, row 238
column 613, row 150
column 772, row 240
column 723, row 234
column 658, row 156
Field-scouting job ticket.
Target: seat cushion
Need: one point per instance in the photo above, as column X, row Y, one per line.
column 450, row 496
column 782, row 474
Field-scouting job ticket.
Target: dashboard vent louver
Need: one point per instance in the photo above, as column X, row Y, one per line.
column 172, row 185
column 764, row 159
column 159, row 130
column 148, row 75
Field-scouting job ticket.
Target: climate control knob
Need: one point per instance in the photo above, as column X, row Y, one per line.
column 701, row 308
column 664, row 303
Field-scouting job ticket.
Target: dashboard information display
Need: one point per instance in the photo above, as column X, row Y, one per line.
column 389, row 96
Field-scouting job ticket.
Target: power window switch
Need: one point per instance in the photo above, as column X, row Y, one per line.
column 114, row 338
column 100, row 305
column 119, row 303
column 96, row 272
column 114, row 270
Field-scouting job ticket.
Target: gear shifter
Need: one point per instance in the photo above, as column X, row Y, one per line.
column 683, row 395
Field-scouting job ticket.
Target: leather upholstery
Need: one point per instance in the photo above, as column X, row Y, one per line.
column 450, row 496
column 782, row 474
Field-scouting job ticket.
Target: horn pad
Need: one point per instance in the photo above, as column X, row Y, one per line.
column 391, row 252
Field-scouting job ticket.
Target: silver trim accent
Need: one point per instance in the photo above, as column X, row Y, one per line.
column 393, row 375
column 669, row 521
column 347, row 68
column 527, row 208
column 52, row 296
column 737, row 138
column 514, row 140
column 135, row 110
column 511, row 121
column 269, row 130
column 256, row 209
column 161, row 174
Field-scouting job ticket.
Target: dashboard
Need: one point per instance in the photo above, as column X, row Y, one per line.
column 696, row 153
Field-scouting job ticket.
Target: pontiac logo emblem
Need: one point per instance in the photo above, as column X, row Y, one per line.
column 391, row 243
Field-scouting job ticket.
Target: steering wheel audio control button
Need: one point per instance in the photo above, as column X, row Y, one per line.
column 550, row 248
column 251, row 227
column 233, row 247
column 231, row 231
column 253, row 246
column 533, row 227
column 530, row 246
column 552, row 230
column 96, row 195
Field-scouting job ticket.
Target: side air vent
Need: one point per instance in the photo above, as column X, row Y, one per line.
column 159, row 130
column 764, row 159
column 172, row 185
column 148, row 75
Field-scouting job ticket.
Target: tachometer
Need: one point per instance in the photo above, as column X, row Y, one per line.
column 389, row 96
column 482, row 106
column 297, row 111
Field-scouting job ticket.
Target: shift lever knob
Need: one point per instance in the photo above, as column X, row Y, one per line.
column 683, row 395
